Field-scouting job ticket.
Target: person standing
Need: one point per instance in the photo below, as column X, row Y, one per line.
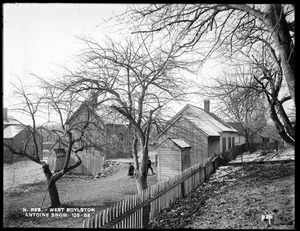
column 131, row 170
column 149, row 166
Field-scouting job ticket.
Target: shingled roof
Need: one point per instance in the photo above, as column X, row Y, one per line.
column 208, row 122
column 11, row 131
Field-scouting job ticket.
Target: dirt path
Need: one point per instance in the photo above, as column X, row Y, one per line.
column 236, row 197
column 29, row 172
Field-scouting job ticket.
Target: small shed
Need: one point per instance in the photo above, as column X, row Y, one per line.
column 56, row 160
column 173, row 157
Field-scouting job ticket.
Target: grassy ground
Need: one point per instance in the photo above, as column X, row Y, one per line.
column 74, row 191
column 236, row 197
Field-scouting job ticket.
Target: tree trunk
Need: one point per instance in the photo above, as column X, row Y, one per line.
column 279, row 126
column 278, row 28
column 286, row 122
column 51, row 179
column 247, row 142
column 135, row 152
column 141, row 174
column 54, row 197
column 141, row 180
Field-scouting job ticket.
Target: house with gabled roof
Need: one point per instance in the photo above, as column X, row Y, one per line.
column 205, row 132
column 92, row 156
column 268, row 134
column 16, row 135
column 106, row 138
column 114, row 135
column 240, row 137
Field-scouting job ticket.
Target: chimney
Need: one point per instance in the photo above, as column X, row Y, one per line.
column 94, row 96
column 206, row 105
column 5, row 114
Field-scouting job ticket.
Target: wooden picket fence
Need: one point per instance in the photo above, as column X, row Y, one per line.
column 137, row 210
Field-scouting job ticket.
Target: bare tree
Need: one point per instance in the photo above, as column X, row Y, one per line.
column 218, row 23
column 255, row 30
column 61, row 106
column 135, row 78
column 269, row 81
column 265, row 76
column 237, row 101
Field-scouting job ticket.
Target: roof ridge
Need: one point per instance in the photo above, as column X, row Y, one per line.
column 195, row 106
column 213, row 116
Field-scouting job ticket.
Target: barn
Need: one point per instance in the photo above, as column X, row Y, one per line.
column 92, row 161
column 173, row 157
column 108, row 138
column 92, row 156
column 206, row 133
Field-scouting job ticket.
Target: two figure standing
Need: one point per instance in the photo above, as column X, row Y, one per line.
column 131, row 168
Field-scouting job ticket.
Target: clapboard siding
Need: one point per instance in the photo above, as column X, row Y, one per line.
column 192, row 135
column 92, row 162
column 173, row 158
column 168, row 162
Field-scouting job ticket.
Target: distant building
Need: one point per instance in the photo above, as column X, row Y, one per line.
column 267, row 138
column 268, row 135
column 104, row 139
column 16, row 134
column 239, row 137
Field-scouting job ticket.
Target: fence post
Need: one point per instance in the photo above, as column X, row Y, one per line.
column 146, row 215
column 182, row 189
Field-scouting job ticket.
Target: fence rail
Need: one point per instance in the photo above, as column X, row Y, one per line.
column 137, row 210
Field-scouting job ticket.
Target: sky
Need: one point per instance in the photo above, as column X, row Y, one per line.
column 39, row 37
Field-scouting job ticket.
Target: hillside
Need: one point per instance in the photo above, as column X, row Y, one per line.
column 236, row 197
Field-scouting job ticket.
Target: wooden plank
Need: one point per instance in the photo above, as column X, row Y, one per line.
column 96, row 220
column 135, row 225
column 85, row 221
column 106, row 215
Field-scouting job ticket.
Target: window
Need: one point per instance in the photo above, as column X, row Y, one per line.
column 224, row 144
column 233, row 142
column 229, row 143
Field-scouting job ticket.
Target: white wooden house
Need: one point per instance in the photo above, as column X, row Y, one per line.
column 206, row 133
